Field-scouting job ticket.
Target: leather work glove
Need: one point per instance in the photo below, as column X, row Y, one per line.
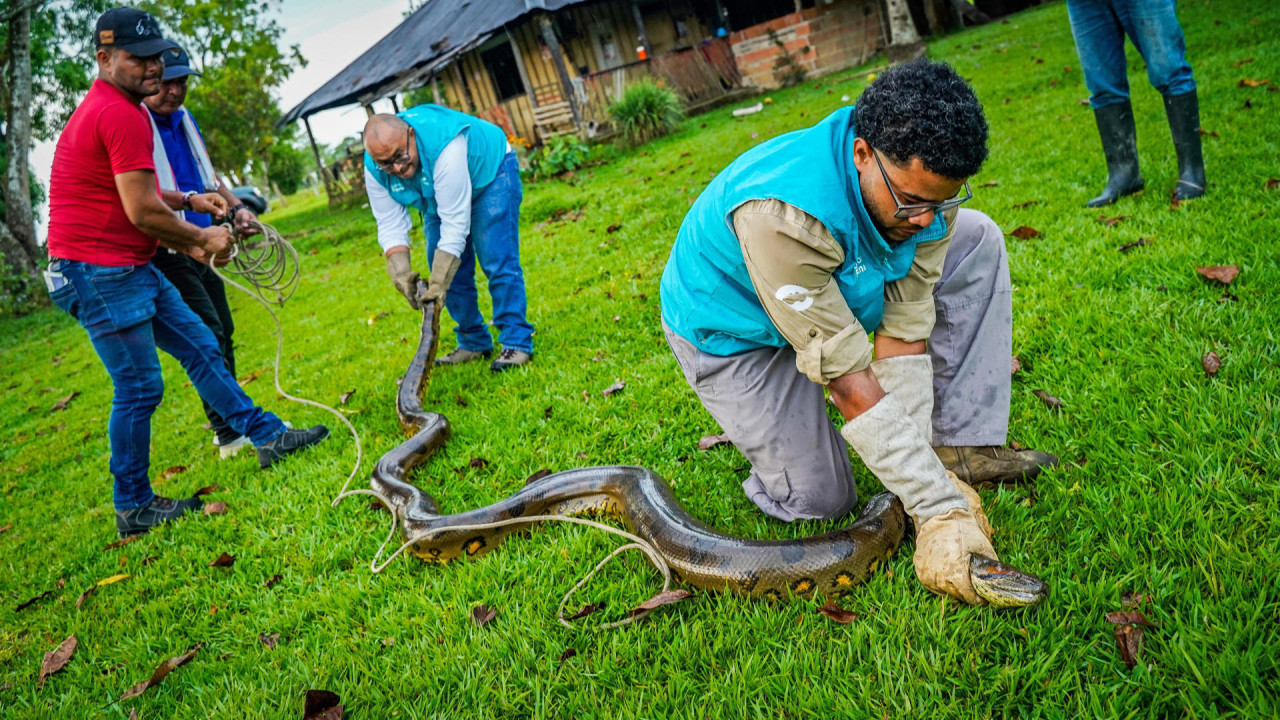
column 943, row 546
column 404, row 277
column 444, row 265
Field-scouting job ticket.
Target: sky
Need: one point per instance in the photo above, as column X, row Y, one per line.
column 330, row 37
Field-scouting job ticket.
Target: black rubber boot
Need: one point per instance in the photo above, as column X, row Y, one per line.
column 1120, row 145
column 1184, row 124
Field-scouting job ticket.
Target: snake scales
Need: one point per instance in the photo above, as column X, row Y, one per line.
column 829, row 564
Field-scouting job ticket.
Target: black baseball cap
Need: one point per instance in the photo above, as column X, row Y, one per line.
column 132, row 30
column 177, row 64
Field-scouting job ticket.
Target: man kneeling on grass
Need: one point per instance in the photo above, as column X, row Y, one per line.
column 809, row 240
column 105, row 216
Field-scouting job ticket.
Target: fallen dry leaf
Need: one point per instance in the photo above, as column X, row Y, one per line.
column 344, row 397
column 1024, row 232
column 1211, row 363
column 990, row 183
column 657, row 601
column 537, row 476
column 215, row 508
column 85, row 595
column 375, row 318
column 6, row 528
column 33, row 601
column 1210, row 133
column 1048, row 399
column 1133, row 599
column 1129, row 639
column 546, row 413
column 566, row 655
column 1014, row 365
column 478, row 463
column 482, row 615
column 57, row 658
column 207, row 489
column 173, row 470
column 587, row 610
column 1113, row 221
column 460, row 401
column 1241, row 63
column 271, row 581
column 161, row 672
column 1140, row 242
column 322, row 705
column 1252, row 83
column 1222, row 273
column 269, row 640
column 1026, row 204
column 613, row 229
column 613, row 388
column 62, row 404
column 249, row 378
column 709, row 441
column 148, row 560
column 1273, row 183
column 223, row 560
column 122, row 542
column 837, row 614
column 1130, row 617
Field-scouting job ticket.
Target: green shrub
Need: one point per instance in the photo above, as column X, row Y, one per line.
column 559, row 154
column 647, row 111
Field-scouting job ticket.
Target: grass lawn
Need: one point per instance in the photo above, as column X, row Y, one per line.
column 1169, row 486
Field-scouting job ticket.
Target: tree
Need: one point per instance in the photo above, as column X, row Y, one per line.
column 902, row 30
column 235, row 45
column 290, row 163
column 47, row 58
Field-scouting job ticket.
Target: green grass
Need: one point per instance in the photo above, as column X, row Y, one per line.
column 1169, row 486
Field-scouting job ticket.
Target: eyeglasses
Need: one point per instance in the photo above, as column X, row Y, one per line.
column 909, row 211
column 400, row 158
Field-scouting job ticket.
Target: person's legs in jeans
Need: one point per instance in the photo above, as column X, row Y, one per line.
column 1153, row 27
column 495, row 223
column 462, row 300
column 1099, row 38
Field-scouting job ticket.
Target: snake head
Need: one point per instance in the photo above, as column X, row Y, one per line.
column 1004, row 586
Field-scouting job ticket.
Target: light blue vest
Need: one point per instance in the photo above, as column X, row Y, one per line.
column 433, row 127
column 707, row 295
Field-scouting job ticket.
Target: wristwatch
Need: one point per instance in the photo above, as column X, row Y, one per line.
column 236, row 211
column 186, row 199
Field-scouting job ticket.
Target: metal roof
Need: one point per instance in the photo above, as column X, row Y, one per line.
column 433, row 35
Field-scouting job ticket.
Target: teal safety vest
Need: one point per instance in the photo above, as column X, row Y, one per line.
column 433, row 127
column 707, row 295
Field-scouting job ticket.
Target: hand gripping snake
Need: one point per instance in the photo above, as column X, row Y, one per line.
column 829, row 564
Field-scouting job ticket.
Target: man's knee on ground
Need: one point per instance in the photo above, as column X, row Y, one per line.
column 823, row 502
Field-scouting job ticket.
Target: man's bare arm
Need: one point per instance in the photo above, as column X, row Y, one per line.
column 152, row 215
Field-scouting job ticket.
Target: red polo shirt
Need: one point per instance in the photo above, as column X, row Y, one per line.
column 108, row 134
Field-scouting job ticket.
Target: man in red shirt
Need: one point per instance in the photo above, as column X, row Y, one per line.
column 106, row 215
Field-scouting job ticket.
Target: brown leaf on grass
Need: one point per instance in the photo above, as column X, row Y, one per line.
column 33, row 601
column 57, row 658
column 1241, row 63
column 1252, row 83
column 586, row 610
column 482, row 615
column 322, row 705
column 1273, row 183
column 1113, row 221
column 1140, row 242
column 269, row 640
column 1210, row 133
column 272, row 581
column 566, row 655
column 657, row 601
column 344, row 397
column 6, row 528
column 62, row 404
column 122, row 542
column 1048, row 399
column 1129, row 640
column 990, row 183
column 1175, row 202
column 460, row 401
column 478, row 463
column 254, row 376
column 223, row 560
column 835, row 613
column 161, row 672
column 148, row 560
column 85, row 595
column 1130, row 617
column 207, row 489
column 1014, row 365
column 537, row 476
column 613, row 388
column 613, row 228
column 1026, row 204
column 1222, row 273
column 215, row 508
column 1015, row 445
column 1133, row 599
column 1024, row 232
column 709, row 441
column 1211, row 363
column 173, row 470
column 546, row 412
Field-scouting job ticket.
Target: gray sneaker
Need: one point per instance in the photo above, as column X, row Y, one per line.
column 510, row 358
column 159, row 510
column 289, row 442
column 460, row 356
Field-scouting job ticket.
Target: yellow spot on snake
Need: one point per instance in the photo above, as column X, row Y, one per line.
column 845, row 579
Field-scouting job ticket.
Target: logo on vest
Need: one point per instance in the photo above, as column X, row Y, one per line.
column 796, row 297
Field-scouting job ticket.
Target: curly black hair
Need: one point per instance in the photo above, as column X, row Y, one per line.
column 924, row 109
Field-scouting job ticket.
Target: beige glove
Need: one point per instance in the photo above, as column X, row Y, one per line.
column 943, row 546
column 404, row 277
column 444, row 265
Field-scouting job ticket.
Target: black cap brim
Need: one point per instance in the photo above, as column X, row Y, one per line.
column 177, row 71
column 148, row 48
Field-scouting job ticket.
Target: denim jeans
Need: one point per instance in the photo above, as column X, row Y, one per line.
column 1100, row 26
column 495, row 240
column 129, row 312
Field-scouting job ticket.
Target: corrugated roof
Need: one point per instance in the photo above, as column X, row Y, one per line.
column 433, row 35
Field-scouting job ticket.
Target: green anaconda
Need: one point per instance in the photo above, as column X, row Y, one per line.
column 828, row 564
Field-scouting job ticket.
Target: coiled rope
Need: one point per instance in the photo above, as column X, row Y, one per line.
column 268, row 264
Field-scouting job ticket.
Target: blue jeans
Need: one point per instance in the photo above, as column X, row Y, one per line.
column 129, row 312
column 495, row 240
column 1099, row 27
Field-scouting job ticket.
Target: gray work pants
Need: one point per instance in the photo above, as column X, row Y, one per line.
column 777, row 417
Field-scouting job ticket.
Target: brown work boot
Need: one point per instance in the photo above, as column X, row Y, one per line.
column 460, row 356
column 993, row 465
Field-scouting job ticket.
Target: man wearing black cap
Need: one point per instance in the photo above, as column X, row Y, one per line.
column 183, row 165
column 105, row 218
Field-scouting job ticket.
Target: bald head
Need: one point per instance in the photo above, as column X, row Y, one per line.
column 387, row 138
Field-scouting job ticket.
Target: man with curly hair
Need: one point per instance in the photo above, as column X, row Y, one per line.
column 804, row 245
